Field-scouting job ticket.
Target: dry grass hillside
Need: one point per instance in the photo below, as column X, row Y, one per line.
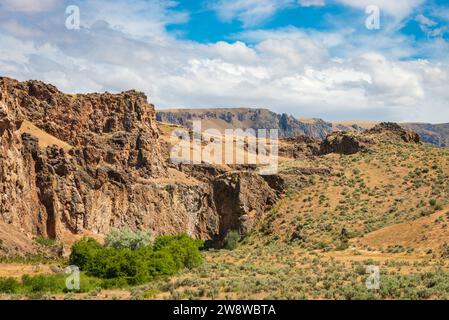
column 391, row 184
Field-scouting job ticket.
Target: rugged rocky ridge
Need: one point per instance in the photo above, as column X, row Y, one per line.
column 300, row 146
column 290, row 127
column 244, row 118
column 241, row 199
column 107, row 177
column 104, row 167
column 436, row 134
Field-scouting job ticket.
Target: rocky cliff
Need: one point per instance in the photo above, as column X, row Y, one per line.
column 436, row 134
column 71, row 164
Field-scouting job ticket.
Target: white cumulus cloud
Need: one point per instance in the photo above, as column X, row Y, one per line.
column 330, row 74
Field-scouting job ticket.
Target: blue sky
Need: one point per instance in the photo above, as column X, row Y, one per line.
column 309, row 58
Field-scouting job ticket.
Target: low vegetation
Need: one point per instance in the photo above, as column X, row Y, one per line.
column 128, row 259
column 231, row 240
column 281, row 271
column 36, row 286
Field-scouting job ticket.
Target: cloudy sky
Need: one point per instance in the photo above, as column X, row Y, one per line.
column 309, row 58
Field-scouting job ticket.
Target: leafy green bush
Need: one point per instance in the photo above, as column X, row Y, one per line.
column 9, row 285
column 168, row 255
column 161, row 263
column 42, row 283
column 184, row 250
column 231, row 240
column 126, row 238
column 113, row 263
column 114, row 283
column 84, row 253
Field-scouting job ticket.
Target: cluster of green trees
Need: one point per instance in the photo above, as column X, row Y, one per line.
column 135, row 264
column 128, row 258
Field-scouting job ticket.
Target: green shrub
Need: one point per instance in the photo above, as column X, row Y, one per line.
column 42, row 283
column 231, row 240
column 9, row 285
column 46, row 242
column 114, row 283
column 84, row 253
column 161, row 263
column 343, row 245
column 126, row 238
column 184, row 250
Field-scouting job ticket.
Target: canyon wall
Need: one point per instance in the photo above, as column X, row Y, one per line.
column 86, row 163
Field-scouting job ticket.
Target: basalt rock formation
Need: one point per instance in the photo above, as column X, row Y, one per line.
column 300, row 146
column 241, row 198
column 99, row 178
column 388, row 131
column 436, row 134
column 86, row 163
column 352, row 142
column 344, row 143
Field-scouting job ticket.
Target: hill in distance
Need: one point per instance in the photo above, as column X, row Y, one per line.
column 289, row 126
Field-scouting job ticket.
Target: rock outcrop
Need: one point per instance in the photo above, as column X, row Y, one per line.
column 83, row 164
column 352, row 142
column 344, row 143
column 107, row 178
column 241, row 198
column 436, row 134
column 299, row 147
column 388, row 131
